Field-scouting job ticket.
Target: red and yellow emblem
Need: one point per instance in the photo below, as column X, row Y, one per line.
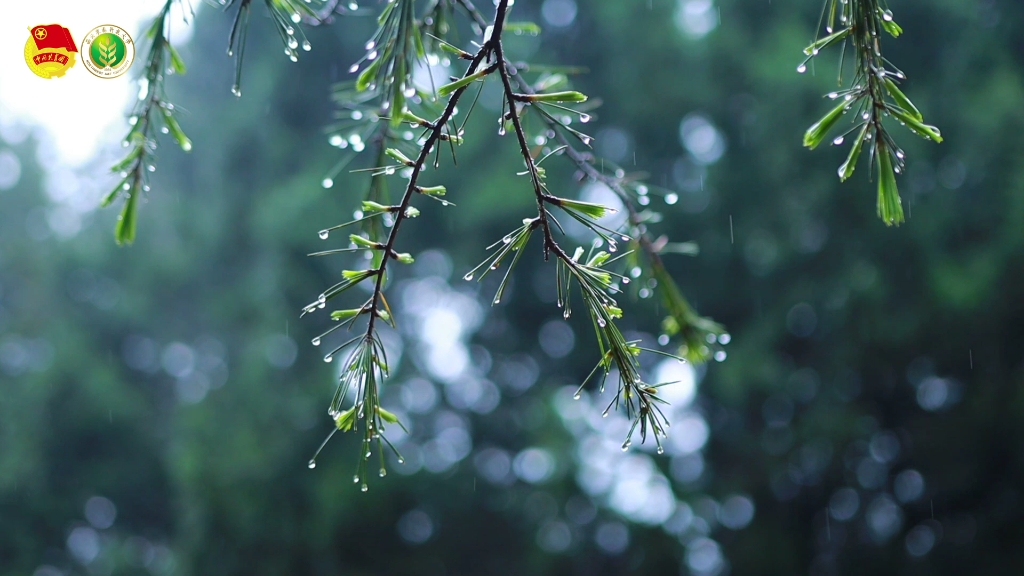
column 50, row 50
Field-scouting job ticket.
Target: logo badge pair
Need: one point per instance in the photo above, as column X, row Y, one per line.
column 107, row 51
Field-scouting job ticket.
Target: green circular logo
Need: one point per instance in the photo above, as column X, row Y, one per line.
column 107, row 50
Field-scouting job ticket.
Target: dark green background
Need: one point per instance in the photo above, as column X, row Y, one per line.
column 800, row 410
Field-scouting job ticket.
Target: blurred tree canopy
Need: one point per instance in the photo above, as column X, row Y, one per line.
column 158, row 405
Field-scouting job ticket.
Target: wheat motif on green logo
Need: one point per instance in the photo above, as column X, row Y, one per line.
column 107, row 50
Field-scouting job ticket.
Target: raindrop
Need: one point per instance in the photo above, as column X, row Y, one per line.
column 364, row 487
column 312, row 464
column 296, row 18
column 837, row 141
column 671, row 198
column 601, row 322
column 307, row 46
column 328, row 358
column 801, row 68
column 327, row 183
column 724, row 338
column 468, row 277
column 152, row 168
column 576, row 396
column 324, row 234
column 584, row 118
column 236, row 90
column 353, row 68
column 133, row 120
column 720, row 356
column 316, row 341
column 625, row 445
column 293, row 43
column 401, row 460
column 887, row 15
column 355, row 479
column 164, row 130
column 661, row 449
column 383, row 472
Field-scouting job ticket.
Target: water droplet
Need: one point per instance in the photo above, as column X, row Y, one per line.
column 601, row 322
column 236, row 90
column 353, row 6
column 663, row 339
column 327, row 183
column 164, row 130
column 383, row 472
column 801, row 68
column 444, row 202
column 468, row 277
column 497, row 300
column 401, row 460
column 837, row 141
column 151, row 168
column 328, row 358
column 625, row 445
column 576, row 396
column 292, row 43
column 133, row 120
column 364, row 487
column 312, row 464
column 661, row 449
column 355, row 479
column 586, row 140
column 324, row 234
column 584, row 118
column 307, row 46
column 724, row 338
column 671, row 198
column 296, row 18
column 887, row 15
column 187, row 146
column 353, row 68
column 720, row 356
column 315, row 341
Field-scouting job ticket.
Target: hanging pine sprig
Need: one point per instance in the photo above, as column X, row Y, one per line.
column 384, row 115
column 286, row 15
column 152, row 112
column 872, row 96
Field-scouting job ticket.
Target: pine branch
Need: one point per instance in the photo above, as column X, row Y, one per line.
column 367, row 364
column 699, row 334
column 152, row 112
column 873, row 95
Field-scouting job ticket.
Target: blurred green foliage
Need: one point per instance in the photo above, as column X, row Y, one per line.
column 175, row 381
